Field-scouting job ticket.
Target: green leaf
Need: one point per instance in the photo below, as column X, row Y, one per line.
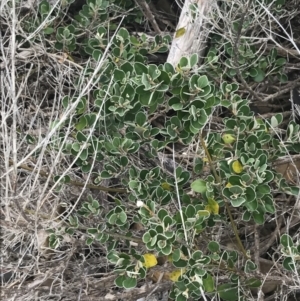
column 81, row 137
column 54, row 241
column 253, row 72
column 280, row 62
column 253, row 282
column 252, row 206
column 86, row 167
column 124, row 161
column 194, row 60
column 44, row 8
column 246, row 216
column 48, row 30
column 113, row 219
column 73, row 220
column 269, row 204
column 208, row 283
column 181, row 297
column 213, row 246
column 286, row 241
column 82, row 123
column 167, row 250
column 176, row 255
column 122, row 217
column 123, row 35
column 276, row 120
column 30, row 139
column 70, row 230
column 97, row 55
column 89, row 241
column 260, row 76
column 147, row 237
column 202, row 81
column 153, row 72
column 250, row 266
column 119, row 281
column 198, row 165
column 250, row 194
column 140, row 119
column 66, row 102
column 237, row 202
column 262, row 190
column 283, row 78
column 119, row 75
column 236, row 190
column 258, row 217
column 92, row 231
column 228, row 292
column 184, row 63
column 199, row 186
column 180, row 263
column 162, row 213
column 197, row 255
column 289, row 264
column 140, row 68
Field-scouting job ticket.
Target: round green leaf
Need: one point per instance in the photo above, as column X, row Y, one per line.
column 140, row 119
column 176, row 255
column 130, row 283
column 260, row 76
column 286, row 241
column 213, row 246
column 119, row 281
column 250, row 266
column 202, row 81
column 199, row 186
column 237, row 202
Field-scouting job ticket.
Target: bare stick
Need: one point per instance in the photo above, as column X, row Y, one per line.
column 148, row 14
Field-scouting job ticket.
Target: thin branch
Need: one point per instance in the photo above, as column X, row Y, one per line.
column 290, row 86
column 235, row 55
column 142, row 4
column 73, row 183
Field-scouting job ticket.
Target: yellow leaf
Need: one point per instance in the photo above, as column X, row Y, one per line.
column 174, row 275
column 166, row 186
column 237, row 166
column 228, row 185
column 228, row 138
column 180, row 32
column 150, row 261
column 203, row 213
column 170, row 258
column 212, row 207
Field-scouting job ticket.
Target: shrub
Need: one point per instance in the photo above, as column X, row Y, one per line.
column 182, row 176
